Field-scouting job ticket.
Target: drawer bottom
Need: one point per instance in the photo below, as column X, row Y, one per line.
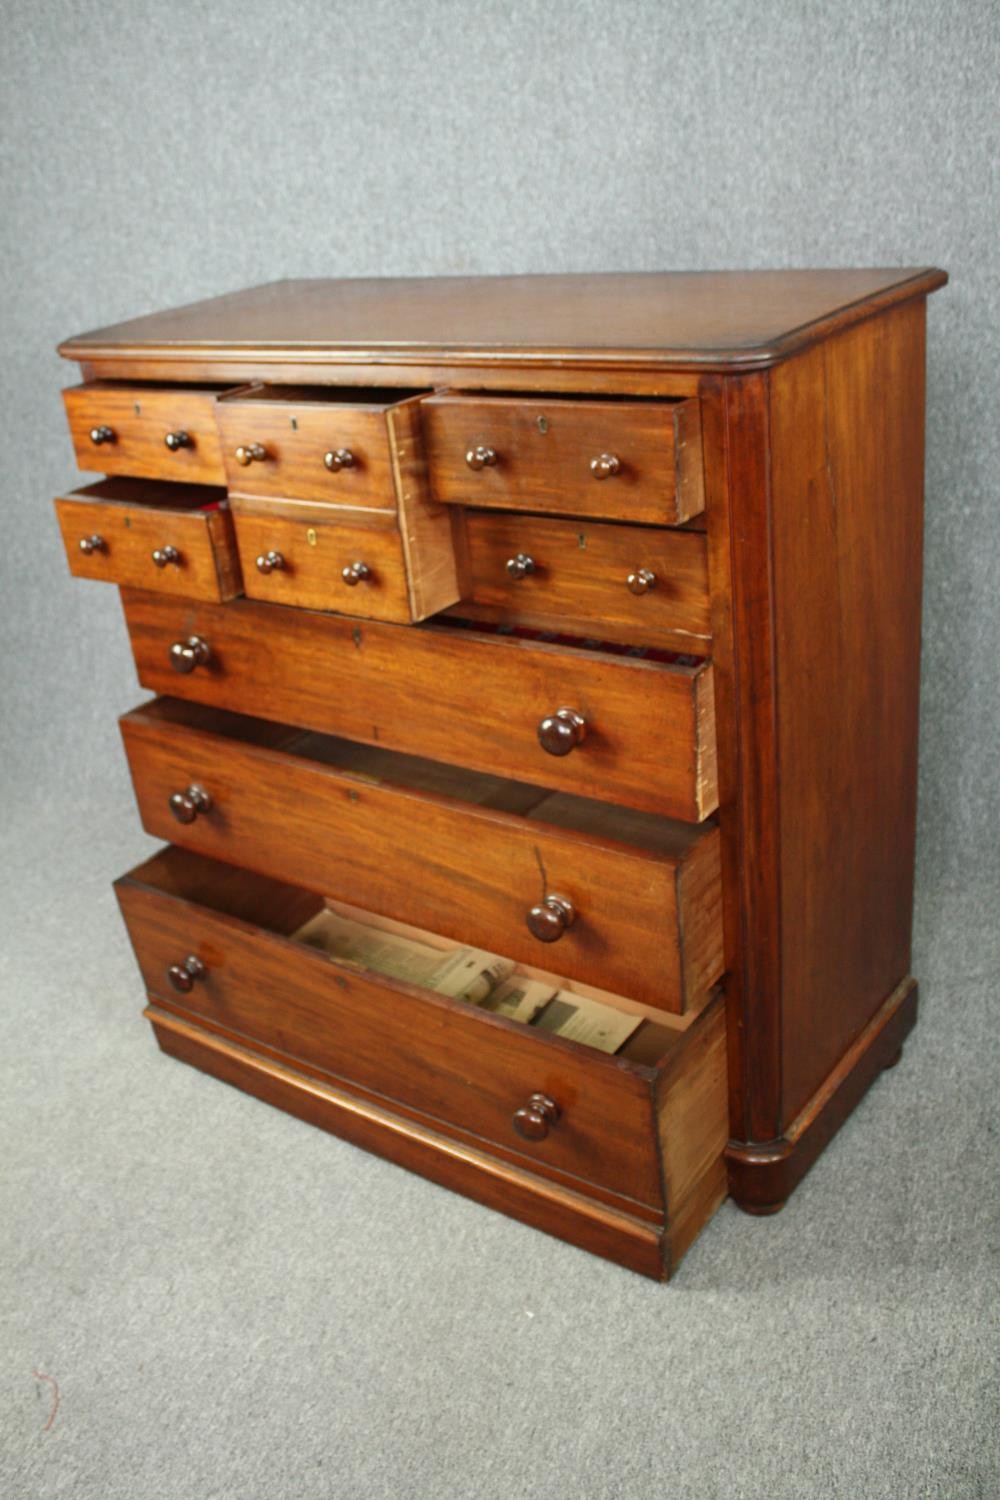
column 559, row 1211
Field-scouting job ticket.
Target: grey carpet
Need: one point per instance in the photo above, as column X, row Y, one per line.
column 234, row 1304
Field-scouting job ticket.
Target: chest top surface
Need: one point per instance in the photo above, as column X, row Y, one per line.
column 681, row 320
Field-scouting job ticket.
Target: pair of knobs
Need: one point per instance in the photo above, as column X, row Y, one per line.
column 639, row 582
column 353, row 574
column 162, row 556
column 172, row 440
column 482, row 456
column 532, row 1121
column 335, row 459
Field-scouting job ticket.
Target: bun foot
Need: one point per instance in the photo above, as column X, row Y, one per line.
column 893, row 1060
column 761, row 1210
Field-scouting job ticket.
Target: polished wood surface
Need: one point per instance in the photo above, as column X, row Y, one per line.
column 448, row 1060
column 140, row 420
column 630, row 461
column 694, row 320
column 579, row 580
column 339, row 819
column 138, row 522
column 296, row 435
column 428, row 690
column 316, row 543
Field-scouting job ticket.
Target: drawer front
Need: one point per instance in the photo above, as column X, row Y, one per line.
column 453, row 695
column 111, row 533
column 442, row 1058
column 637, row 461
column 124, row 429
column 635, row 584
column 279, row 448
column 321, row 557
column 471, row 873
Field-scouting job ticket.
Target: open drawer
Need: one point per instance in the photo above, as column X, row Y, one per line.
column 643, row 1131
column 625, row 900
column 172, row 538
column 151, row 431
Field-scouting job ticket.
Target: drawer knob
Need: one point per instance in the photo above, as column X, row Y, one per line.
column 558, row 733
column 481, row 457
column 550, row 919
column 165, row 555
column 339, row 458
column 186, row 655
column 99, row 435
column 521, row 565
column 186, row 806
column 248, row 453
column 95, row 543
column 641, row 581
column 270, row 562
column 175, row 440
column 533, row 1120
column 605, row 465
column 353, row 575
column 182, row 976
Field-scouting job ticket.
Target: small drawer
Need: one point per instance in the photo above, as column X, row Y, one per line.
column 618, row 460
column 173, row 538
column 348, row 560
column 639, row 731
column 622, row 900
column 636, row 584
column 441, row 1060
column 337, row 445
column 152, row 432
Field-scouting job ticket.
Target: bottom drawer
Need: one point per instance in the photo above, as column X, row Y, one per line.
column 644, row 1129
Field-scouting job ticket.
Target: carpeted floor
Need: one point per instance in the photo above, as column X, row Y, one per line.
column 234, row 1304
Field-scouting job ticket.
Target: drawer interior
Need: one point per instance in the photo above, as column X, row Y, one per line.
column 362, row 397
column 152, row 494
column 277, row 909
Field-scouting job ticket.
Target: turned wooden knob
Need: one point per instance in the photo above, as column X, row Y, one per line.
column 248, row 453
column 186, row 655
column 520, row 566
column 95, row 543
column 186, row 806
column 183, row 975
column 481, row 457
column 534, row 1119
column 164, row 555
column 641, row 581
column 339, row 458
column 558, row 733
column 550, row 918
column 355, row 573
column 605, row 465
column 270, row 562
column 175, row 440
column 102, row 434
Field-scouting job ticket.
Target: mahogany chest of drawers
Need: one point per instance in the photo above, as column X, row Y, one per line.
column 575, row 618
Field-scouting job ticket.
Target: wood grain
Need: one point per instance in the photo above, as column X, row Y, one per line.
column 468, row 871
column 446, row 1059
column 580, row 586
column 544, row 450
column 693, row 1121
column 140, row 419
column 430, row 532
column 297, row 433
column 134, row 518
column 430, row 691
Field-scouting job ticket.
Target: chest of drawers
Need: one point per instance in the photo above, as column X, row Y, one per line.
column 574, row 618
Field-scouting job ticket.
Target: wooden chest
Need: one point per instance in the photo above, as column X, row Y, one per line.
column 575, row 619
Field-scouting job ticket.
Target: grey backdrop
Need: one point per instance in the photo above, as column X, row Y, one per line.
column 234, row 1304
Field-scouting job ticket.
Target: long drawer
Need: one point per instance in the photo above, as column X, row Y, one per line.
column 443, row 1060
column 635, row 731
column 614, row 898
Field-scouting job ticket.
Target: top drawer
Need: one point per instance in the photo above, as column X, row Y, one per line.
column 151, row 432
column 625, row 460
column 342, row 446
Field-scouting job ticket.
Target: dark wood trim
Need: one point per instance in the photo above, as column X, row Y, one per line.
column 761, row 1176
